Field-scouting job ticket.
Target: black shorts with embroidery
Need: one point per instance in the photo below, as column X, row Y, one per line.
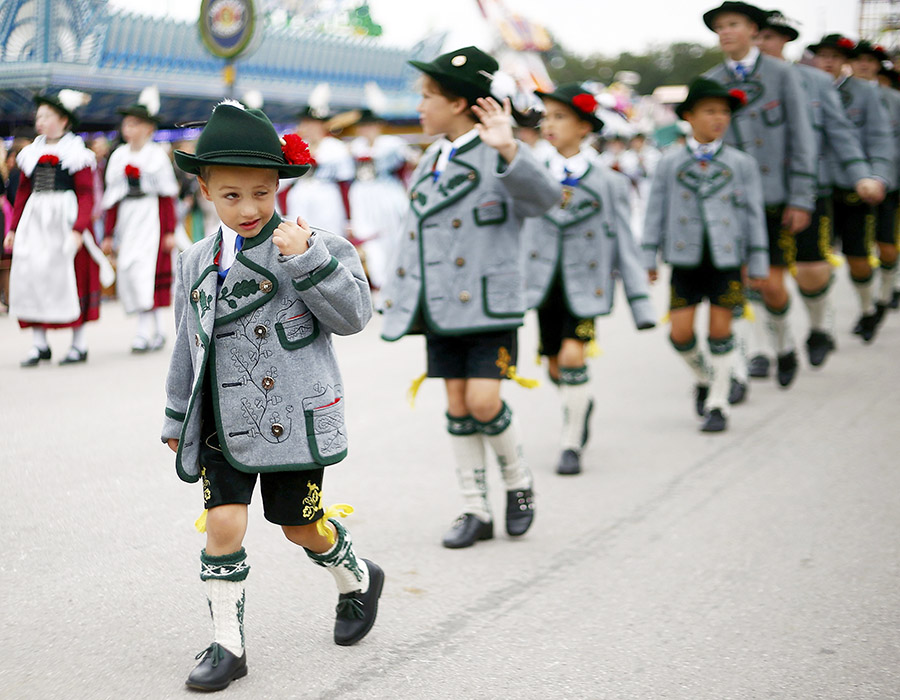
column 557, row 322
column 471, row 356
column 814, row 243
column 289, row 498
column 854, row 223
column 886, row 219
column 691, row 285
column 781, row 242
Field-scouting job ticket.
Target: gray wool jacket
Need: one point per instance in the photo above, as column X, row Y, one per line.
column 265, row 340
column 776, row 129
column 586, row 240
column 457, row 266
column 720, row 206
column 833, row 130
column 892, row 104
column 864, row 106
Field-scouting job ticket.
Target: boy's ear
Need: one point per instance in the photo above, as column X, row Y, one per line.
column 204, row 189
column 460, row 105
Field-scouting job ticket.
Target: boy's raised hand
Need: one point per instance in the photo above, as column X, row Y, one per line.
column 291, row 238
column 495, row 128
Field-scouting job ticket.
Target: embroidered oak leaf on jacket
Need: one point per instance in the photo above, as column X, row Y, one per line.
column 244, row 288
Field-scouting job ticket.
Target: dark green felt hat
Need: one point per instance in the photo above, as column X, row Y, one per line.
column 838, row 42
column 240, row 137
column 752, row 12
column 581, row 101
column 702, row 88
column 66, row 102
column 864, row 48
column 777, row 22
column 466, row 72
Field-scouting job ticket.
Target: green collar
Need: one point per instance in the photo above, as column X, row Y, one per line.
column 263, row 235
column 467, row 146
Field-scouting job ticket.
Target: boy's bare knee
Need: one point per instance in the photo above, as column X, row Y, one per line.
column 225, row 528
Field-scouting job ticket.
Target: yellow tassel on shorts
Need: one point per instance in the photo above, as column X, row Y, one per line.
column 521, row 381
column 414, row 389
column 593, row 350
column 337, row 510
column 200, row 523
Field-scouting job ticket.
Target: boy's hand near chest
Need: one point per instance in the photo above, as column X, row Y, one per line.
column 292, row 238
column 495, row 128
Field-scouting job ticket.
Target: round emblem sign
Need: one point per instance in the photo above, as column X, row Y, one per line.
column 227, row 26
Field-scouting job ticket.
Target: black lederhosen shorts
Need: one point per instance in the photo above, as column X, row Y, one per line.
column 289, row 498
column 854, row 223
column 474, row 355
column 886, row 219
column 814, row 243
column 691, row 285
column 556, row 322
column 780, row 239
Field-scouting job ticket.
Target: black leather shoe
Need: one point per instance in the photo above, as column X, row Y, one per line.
column 880, row 311
column 700, row 395
column 895, row 300
column 356, row 611
column 74, row 357
column 217, row 669
column 715, row 422
column 467, row 530
column 858, row 328
column 758, row 367
column 787, row 369
column 519, row 511
column 569, row 463
column 34, row 358
column 867, row 327
column 586, row 432
column 818, row 345
column 737, row 393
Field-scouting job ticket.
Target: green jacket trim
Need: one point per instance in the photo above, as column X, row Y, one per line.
column 487, row 310
column 171, row 413
column 296, row 344
column 321, row 460
column 263, row 235
column 256, row 303
column 315, row 277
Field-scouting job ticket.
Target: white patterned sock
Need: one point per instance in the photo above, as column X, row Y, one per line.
column 887, row 276
column 468, row 451
column 350, row 573
column 864, row 289
column 576, row 397
column 778, row 326
column 224, row 578
column 502, row 435
column 695, row 358
column 39, row 337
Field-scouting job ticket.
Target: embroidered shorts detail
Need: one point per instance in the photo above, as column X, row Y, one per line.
column 289, row 498
column 691, row 285
column 854, row 223
column 814, row 243
column 472, row 356
column 557, row 323
column 886, row 219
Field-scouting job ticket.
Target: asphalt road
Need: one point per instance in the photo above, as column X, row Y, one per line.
column 759, row 563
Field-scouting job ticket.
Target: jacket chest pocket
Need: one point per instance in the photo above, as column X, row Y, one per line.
column 490, row 211
column 296, row 330
column 502, row 295
column 773, row 113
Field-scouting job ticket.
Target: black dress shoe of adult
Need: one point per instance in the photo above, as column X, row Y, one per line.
column 758, row 367
column 217, row 669
column 867, row 327
column 74, row 357
column 818, row 345
column 467, row 530
column 787, row 369
column 737, row 392
column 356, row 611
column 715, row 422
column 569, row 463
column 35, row 356
column 700, row 394
column 895, row 300
column 519, row 511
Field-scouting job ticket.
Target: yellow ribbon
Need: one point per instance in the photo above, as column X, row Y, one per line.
column 338, row 509
column 538, row 360
column 665, row 318
column 200, row 523
column 834, row 260
column 874, row 262
column 414, row 389
column 593, row 350
column 521, row 381
column 748, row 312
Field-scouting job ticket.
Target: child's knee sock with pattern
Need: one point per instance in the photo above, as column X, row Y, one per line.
column 224, row 577
column 574, row 390
column 350, row 573
column 502, row 434
column 468, row 450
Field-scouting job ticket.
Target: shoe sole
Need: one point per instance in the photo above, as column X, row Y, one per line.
column 212, row 688
column 379, row 587
column 481, row 538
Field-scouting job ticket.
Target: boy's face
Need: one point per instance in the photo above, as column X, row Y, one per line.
column 736, row 32
column 865, row 67
column 829, row 60
column 709, row 119
column 136, row 130
column 562, row 127
column 244, row 198
column 771, row 43
column 436, row 112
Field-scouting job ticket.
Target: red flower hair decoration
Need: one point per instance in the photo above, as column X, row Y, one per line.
column 132, row 172
column 296, row 150
column 585, row 102
column 48, row 159
column 739, row 95
column 845, row 43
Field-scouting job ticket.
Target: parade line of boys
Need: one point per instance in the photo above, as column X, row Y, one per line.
column 783, row 161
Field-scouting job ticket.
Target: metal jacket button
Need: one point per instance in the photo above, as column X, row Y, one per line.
column 456, row 223
column 464, row 297
column 195, row 295
column 277, row 429
column 471, row 176
column 589, row 234
column 679, row 245
column 534, row 254
column 265, row 286
column 260, row 331
column 598, row 291
column 401, row 272
column 268, row 383
column 460, row 262
column 412, row 235
column 592, row 264
column 388, row 303
column 595, row 204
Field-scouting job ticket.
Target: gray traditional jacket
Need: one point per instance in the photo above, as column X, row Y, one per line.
column 775, row 128
column 265, row 340
column 892, row 104
column 457, row 264
column 720, row 206
column 585, row 239
column 865, row 108
column 833, row 129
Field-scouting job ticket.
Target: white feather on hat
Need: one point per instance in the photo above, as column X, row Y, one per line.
column 503, row 85
column 73, row 99
column 149, row 98
column 319, row 99
column 376, row 100
column 253, row 99
column 231, row 103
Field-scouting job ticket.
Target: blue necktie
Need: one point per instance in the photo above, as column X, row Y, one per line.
column 568, row 179
column 703, row 155
column 740, row 71
column 238, row 244
column 437, row 173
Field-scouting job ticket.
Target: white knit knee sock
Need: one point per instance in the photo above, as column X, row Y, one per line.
column 696, row 359
column 39, row 337
column 575, row 393
column 468, row 451
column 721, row 354
column 778, row 327
column 224, row 578
column 350, row 573
column 502, row 434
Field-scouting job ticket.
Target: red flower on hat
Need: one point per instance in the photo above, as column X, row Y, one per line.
column 296, row 150
column 132, row 173
column 48, row 159
column 585, row 102
column 879, row 48
column 845, row 43
column 739, row 95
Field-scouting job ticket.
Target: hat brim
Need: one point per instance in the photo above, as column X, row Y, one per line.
column 815, row 48
column 734, row 103
column 789, row 32
column 757, row 17
column 460, row 87
column 191, row 163
column 146, row 116
column 595, row 121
